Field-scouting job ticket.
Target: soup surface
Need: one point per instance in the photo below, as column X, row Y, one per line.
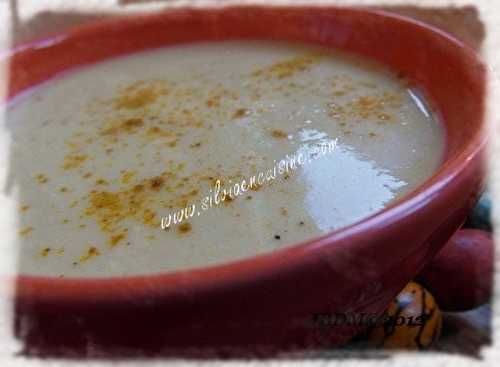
column 234, row 148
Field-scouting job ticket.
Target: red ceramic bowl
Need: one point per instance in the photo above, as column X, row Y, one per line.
column 265, row 303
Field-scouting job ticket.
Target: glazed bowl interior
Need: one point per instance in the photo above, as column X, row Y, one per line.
column 448, row 72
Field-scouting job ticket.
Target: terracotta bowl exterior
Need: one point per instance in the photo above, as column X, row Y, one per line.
column 264, row 304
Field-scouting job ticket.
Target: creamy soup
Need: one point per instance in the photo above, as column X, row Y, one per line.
column 201, row 154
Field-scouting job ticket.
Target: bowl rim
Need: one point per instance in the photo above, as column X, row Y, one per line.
column 111, row 288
